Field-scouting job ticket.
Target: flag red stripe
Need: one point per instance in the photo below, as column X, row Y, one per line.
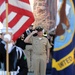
column 20, row 11
column 15, row 20
column 6, row 1
column 1, row 2
column 0, row 19
column 23, row 28
column 27, row 1
column 3, row 15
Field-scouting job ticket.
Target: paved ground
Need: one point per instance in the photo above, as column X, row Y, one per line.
column 30, row 74
column 48, row 69
column 33, row 74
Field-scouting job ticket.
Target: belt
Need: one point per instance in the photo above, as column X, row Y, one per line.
column 39, row 53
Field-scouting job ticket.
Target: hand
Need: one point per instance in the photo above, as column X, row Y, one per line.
column 47, row 60
column 34, row 32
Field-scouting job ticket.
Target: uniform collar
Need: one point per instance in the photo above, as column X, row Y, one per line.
column 40, row 38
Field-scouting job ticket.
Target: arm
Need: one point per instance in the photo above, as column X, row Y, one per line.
column 48, row 51
column 29, row 36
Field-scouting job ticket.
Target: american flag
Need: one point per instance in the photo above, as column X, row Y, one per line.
column 20, row 15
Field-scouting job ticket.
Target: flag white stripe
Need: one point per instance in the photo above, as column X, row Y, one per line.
column 20, row 4
column 2, row 8
column 19, row 24
column 10, row 18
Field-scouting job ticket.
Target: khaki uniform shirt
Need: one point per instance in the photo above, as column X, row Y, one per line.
column 39, row 45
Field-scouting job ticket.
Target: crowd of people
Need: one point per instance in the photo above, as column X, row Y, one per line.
column 30, row 52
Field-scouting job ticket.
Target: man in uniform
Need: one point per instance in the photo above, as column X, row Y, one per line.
column 20, row 42
column 16, row 55
column 41, row 51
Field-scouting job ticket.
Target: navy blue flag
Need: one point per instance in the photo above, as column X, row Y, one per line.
column 74, row 2
column 64, row 45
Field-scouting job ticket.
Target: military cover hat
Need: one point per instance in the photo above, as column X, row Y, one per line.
column 39, row 28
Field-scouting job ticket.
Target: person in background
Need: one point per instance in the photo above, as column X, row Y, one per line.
column 0, row 42
column 0, row 36
column 28, row 31
column 17, row 57
column 51, row 38
column 28, row 49
column 20, row 42
column 41, row 50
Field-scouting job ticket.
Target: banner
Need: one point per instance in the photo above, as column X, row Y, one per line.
column 63, row 54
column 74, row 3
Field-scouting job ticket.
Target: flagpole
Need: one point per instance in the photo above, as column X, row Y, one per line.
column 7, row 55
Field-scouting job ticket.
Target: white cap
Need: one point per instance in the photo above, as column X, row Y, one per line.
column 7, row 36
column 3, row 30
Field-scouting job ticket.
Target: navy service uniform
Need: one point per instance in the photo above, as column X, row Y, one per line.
column 39, row 45
column 16, row 58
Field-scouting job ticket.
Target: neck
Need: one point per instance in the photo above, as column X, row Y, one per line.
column 39, row 36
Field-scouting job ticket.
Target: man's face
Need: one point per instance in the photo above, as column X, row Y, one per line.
column 40, row 33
